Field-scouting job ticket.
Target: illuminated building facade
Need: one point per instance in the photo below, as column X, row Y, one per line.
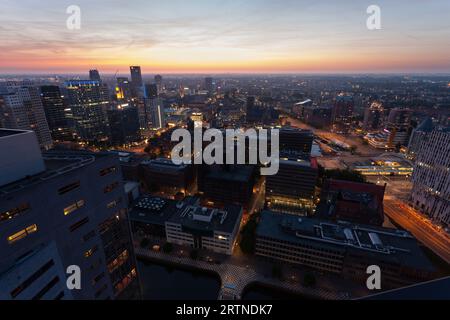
column 88, row 107
column 342, row 248
column 58, row 114
column 21, row 108
column 81, row 222
column 431, row 178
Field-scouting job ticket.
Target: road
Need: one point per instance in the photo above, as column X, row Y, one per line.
column 422, row 228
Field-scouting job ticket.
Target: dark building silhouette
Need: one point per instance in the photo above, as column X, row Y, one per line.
column 58, row 114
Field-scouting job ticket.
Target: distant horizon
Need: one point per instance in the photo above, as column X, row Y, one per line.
column 225, row 37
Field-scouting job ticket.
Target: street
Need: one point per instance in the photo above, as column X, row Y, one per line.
column 427, row 233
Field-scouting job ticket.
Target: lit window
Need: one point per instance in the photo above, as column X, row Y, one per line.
column 90, row 252
column 68, row 210
column 22, row 233
column 11, row 213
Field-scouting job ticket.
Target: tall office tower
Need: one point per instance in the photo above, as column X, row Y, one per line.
column 209, row 85
column 151, row 91
column 94, row 75
column 292, row 189
column 417, row 136
column 431, row 176
column 373, row 116
column 82, row 223
column 123, row 122
column 59, row 116
column 88, row 109
column 343, row 112
column 318, row 116
column 155, row 109
column 136, row 81
column 398, row 126
column 21, row 108
column 297, row 140
column 123, row 89
column 159, row 84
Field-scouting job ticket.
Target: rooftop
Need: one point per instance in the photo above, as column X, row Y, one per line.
column 56, row 163
column 195, row 218
column 389, row 244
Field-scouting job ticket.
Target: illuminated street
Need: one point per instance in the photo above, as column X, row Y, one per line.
column 431, row 236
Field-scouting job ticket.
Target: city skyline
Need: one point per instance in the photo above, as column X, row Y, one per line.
column 215, row 37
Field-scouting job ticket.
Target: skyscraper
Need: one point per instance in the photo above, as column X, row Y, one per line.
column 151, row 91
column 373, row 116
column 155, row 109
column 159, row 84
column 136, row 81
column 431, row 176
column 123, row 89
column 59, row 116
column 94, row 75
column 88, row 107
column 398, row 126
column 343, row 112
column 417, row 136
column 123, row 122
column 81, row 223
column 21, row 108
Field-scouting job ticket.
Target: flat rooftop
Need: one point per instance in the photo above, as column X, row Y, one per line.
column 153, row 210
column 381, row 243
column 56, row 163
column 195, row 218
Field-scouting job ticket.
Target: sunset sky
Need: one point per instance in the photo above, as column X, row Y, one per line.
column 233, row 36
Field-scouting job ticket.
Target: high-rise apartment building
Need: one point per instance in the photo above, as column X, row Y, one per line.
column 123, row 122
column 21, row 108
column 58, row 114
column 398, row 126
column 155, row 112
column 417, row 136
column 94, row 75
column 80, row 223
column 136, row 81
column 373, row 116
column 159, row 83
column 431, row 177
column 88, row 107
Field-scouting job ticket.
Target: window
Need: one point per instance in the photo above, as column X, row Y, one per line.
column 112, row 204
column 46, row 289
column 110, row 187
column 88, row 236
column 22, row 233
column 69, row 187
column 25, row 284
column 77, row 225
column 109, row 170
column 11, row 213
column 98, row 278
column 90, row 252
column 68, row 210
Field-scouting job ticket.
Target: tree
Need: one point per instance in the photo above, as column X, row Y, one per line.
column 167, row 247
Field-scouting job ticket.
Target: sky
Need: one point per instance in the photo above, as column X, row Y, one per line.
column 225, row 36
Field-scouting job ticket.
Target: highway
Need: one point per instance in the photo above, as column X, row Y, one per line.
column 422, row 228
